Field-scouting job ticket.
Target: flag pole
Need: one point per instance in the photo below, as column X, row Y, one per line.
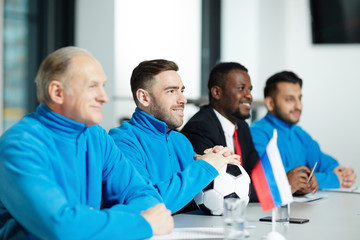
column 274, row 235
column 273, row 220
column 271, row 183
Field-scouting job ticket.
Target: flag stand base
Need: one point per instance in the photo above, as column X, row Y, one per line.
column 274, row 236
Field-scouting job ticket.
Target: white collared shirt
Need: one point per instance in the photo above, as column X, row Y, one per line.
column 228, row 128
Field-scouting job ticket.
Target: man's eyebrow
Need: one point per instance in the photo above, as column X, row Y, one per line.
column 97, row 82
column 173, row 87
column 244, row 84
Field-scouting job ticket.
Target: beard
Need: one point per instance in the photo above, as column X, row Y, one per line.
column 165, row 115
column 237, row 114
column 284, row 117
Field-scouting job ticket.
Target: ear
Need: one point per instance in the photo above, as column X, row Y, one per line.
column 56, row 91
column 143, row 97
column 216, row 92
column 269, row 103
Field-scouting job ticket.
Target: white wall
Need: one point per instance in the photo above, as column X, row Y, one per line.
column 122, row 33
column 271, row 36
column 147, row 30
column 331, row 81
column 239, row 35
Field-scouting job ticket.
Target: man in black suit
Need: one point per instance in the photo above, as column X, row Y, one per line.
column 222, row 122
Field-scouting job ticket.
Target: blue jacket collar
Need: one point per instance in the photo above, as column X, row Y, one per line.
column 59, row 124
column 278, row 122
column 148, row 122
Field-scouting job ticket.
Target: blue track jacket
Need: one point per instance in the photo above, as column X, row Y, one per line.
column 163, row 158
column 296, row 148
column 55, row 175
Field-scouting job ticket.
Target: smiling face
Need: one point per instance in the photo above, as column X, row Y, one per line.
column 167, row 101
column 286, row 103
column 234, row 100
column 84, row 92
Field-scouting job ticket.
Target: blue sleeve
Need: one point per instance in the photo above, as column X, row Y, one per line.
column 124, row 184
column 325, row 164
column 181, row 186
column 30, row 193
column 262, row 133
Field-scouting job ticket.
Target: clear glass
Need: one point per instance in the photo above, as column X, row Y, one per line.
column 282, row 218
column 282, row 214
column 234, row 218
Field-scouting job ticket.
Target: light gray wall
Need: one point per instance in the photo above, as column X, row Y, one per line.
column 95, row 31
column 271, row 36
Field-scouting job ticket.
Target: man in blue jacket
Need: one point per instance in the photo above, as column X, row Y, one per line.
column 62, row 176
column 163, row 156
column 299, row 152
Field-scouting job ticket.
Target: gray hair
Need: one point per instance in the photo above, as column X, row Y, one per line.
column 55, row 67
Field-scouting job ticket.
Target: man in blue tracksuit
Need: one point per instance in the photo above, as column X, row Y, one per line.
column 163, row 156
column 299, row 152
column 62, row 176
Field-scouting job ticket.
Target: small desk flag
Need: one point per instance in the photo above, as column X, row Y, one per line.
column 269, row 178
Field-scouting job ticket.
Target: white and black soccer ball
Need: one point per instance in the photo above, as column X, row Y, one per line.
column 233, row 181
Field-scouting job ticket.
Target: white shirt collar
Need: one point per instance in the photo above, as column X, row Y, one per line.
column 228, row 128
column 226, row 124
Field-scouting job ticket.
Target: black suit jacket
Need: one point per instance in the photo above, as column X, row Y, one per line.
column 204, row 131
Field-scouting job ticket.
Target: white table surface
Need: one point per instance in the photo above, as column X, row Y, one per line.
column 337, row 216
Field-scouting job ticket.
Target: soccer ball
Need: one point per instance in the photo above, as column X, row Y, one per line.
column 233, row 181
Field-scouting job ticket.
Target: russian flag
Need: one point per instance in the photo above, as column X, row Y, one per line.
column 269, row 178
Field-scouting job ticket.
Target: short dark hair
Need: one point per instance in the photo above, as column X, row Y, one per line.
column 144, row 73
column 284, row 76
column 219, row 73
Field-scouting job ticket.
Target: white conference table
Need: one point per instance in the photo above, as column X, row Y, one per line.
column 336, row 216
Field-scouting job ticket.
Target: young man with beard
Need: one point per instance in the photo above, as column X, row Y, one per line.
column 299, row 152
column 165, row 157
column 222, row 122
column 62, row 176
